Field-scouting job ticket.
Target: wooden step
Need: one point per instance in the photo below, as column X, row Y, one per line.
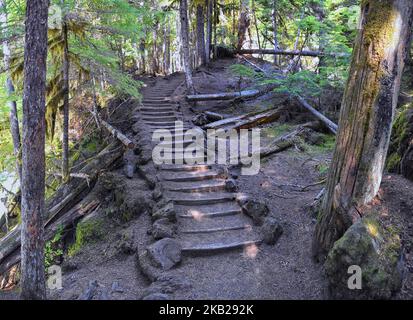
column 204, row 186
column 209, row 211
column 184, row 168
column 182, row 198
column 190, row 176
column 218, row 247
column 213, row 230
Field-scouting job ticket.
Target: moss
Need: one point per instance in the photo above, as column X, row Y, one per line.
column 327, row 146
column 86, row 232
column 277, row 130
column 393, row 162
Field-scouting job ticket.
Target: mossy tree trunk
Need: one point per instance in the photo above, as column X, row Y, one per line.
column 243, row 23
column 33, row 173
column 66, row 67
column 366, row 117
column 14, row 121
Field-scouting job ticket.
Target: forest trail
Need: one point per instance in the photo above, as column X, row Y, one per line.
column 209, row 219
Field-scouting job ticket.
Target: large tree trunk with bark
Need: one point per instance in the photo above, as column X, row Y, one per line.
column 366, row 117
column 14, row 121
column 65, row 142
column 183, row 13
column 208, row 40
column 33, row 174
column 200, row 34
column 243, row 23
column 275, row 32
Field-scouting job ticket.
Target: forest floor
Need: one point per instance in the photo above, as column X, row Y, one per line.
column 283, row 271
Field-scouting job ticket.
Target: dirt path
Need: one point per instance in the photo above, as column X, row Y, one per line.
column 224, row 257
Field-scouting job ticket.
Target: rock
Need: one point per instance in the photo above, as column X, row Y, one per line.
column 69, row 265
column 148, row 172
column 126, row 244
column 376, row 250
column 255, row 209
column 167, row 284
column 163, row 228
column 157, row 192
column 156, row 296
column 200, row 120
column 130, row 160
column 90, row 292
column 116, row 287
column 165, row 212
column 231, row 185
column 271, row 230
column 165, row 253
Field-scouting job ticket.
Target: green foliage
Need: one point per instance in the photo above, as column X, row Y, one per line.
column 241, row 70
column 53, row 248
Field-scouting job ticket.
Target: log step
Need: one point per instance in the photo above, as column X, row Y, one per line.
column 182, row 198
column 190, row 176
column 206, row 186
column 213, row 230
column 218, row 247
column 180, row 168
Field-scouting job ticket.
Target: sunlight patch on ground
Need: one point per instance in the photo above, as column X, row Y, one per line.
column 198, row 216
column 251, row 251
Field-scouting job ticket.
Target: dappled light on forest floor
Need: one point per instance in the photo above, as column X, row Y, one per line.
column 251, row 251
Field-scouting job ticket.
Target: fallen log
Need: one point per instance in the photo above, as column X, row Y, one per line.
column 58, row 207
column 247, row 121
column 214, row 116
column 118, row 135
column 224, row 96
column 12, row 241
column 306, row 53
column 327, row 122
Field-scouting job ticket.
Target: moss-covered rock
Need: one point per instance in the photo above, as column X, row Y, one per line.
column 376, row 250
column 88, row 230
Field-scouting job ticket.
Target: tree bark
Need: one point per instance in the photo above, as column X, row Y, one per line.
column 33, row 171
column 275, row 32
column 14, row 121
column 200, row 34
column 167, row 48
column 366, row 117
column 183, row 13
column 209, row 8
column 65, row 142
column 244, row 23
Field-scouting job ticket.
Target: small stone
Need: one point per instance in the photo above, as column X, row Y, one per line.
column 271, row 230
column 69, row 266
column 231, row 185
column 163, row 228
column 116, row 287
column 165, row 253
column 167, row 212
column 157, row 193
column 255, row 209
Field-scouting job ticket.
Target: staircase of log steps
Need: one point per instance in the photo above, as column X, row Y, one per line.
column 209, row 218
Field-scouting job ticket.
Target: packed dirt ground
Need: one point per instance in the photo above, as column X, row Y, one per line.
column 288, row 182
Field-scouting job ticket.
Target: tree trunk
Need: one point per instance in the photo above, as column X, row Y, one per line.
column 65, row 142
column 14, row 121
column 244, row 23
column 366, row 117
column 200, row 34
column 209, row 6
column 33, row 173
column 275, row 33
column 183, row 13
column 256, row 25
column 167, row 49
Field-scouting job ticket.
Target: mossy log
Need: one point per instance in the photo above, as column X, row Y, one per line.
column 366, row 118
column 64, row 200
